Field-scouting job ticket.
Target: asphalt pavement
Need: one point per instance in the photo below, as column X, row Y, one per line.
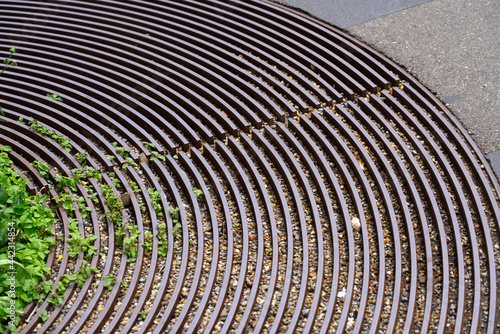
column 451, row 46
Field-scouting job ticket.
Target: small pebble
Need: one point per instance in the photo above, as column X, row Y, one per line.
column 356, row 224
column 125, row 199
column 143, row 158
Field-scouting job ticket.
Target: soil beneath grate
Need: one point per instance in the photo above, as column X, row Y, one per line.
column 280, row 175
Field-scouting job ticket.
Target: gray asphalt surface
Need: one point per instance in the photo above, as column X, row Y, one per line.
column 343, row 13
column 451, row 46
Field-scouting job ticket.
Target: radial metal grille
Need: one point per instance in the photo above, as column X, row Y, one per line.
column 309, row 183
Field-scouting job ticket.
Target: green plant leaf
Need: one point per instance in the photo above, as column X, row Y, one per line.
column 44, row 316
column 109, row 281
column 54, row 97
column 6, row 261
column 3, row 234
column 3, row 195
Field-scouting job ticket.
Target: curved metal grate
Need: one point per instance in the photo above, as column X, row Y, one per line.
column 319, row 187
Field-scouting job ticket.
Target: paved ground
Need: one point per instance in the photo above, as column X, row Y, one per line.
column 344, row 14
column 451, row 46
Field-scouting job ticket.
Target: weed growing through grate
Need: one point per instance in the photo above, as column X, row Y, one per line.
column 81, row 157
column 54, row 97
column 25, row 242
column 198, row 193
column 125, row 153
column 109, row 281
column 26, row 231
column 131, row 243
column 154, row 154
column 60, row 139
column 42, row 167
column 174, row 213
column 33, row 220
